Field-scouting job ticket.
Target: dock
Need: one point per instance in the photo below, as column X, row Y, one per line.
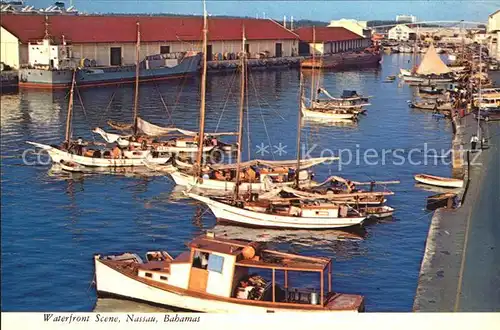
column 9, row 81
column 256, row 64
column 460, row 270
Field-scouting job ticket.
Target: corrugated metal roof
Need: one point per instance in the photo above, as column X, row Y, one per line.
column 90, row 29
column 325, row 34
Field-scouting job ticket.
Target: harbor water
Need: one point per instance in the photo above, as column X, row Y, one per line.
column 53, row 223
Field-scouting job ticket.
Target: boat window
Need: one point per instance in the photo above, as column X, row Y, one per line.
column 164, row 49
column 164, row 278
column 215, row 263
column 200, row 260
column 148, row 275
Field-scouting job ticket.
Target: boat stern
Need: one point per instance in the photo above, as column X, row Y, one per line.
column 342, row 302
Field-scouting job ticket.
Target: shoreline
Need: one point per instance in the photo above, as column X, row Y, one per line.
column 445, row 260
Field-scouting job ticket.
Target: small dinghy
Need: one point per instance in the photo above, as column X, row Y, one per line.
column 437, row 201
column 389, row 79
column 430, row 90
column 378, row 212
column 439, row 181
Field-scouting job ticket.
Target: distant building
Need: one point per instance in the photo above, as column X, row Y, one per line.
column 110, row 40
column 329, row 40
column 401, row 32
column 493, row 30
column 406, row 19
column 359, row 27
column 377, row 38
column 9, row 49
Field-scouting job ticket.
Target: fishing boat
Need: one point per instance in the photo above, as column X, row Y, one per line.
column 225, row 180
column 290, row 214
column 430, row 90
column 178, row 140
column 221, row 275
column 245, row 177
column 94, row 158
column 78, row 153
column 349, row 100
column 439, row 181
column 257, row 164
column 432, row 70
column 436, row 106
column 356, row 198
column 327, row 114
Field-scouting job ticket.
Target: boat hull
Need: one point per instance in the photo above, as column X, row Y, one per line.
column 438, row 181
column 60, row 156
column 39, row 78
column 242, row 216
column 187, row 180
column 328, row 115
column 112, row 282
column 336, row 61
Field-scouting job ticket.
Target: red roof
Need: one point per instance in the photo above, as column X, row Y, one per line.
column 89, row 29
column 326, row 34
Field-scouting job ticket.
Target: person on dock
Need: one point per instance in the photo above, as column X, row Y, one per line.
column 473, row 142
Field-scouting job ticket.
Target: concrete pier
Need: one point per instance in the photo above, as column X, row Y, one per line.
column 461, row 266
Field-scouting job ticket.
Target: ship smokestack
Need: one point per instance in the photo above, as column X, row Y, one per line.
column 284, row 21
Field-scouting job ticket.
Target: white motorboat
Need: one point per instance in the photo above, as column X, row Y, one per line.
column 218, row 276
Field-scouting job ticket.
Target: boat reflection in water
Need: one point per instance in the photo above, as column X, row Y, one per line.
column 329, row 122
column 72, row 171
column 436, row 189
column 300, row 237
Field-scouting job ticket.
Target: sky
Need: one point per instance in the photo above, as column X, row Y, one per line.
column 429, row 10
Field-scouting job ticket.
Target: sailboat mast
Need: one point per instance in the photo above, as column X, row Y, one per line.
column 314, row 63
column 299, row 126
column 201, row 134
column 480, row 97
column 70, row 108
column 242, row 105
column 136, row 96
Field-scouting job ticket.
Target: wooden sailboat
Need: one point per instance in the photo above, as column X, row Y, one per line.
column 72, row 154
column 431, row 70
column 349, row 100
column 297, row 214
column 322, row 110
column 246, row 177
column 178, row 140
column 220, row 275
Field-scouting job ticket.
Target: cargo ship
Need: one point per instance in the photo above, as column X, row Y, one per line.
column 343, row 60
column 52, row 65
column 153, row 68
